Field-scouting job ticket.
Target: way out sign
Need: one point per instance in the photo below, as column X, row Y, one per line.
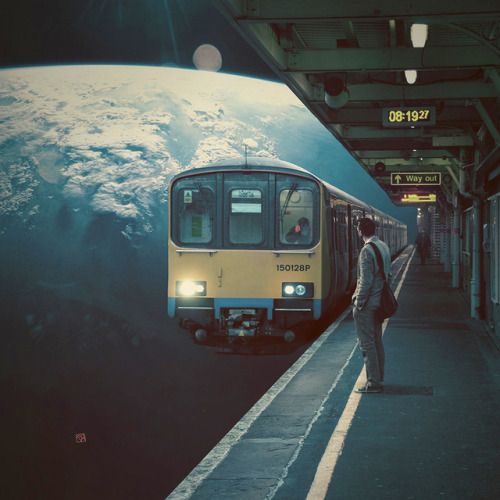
column 415, row 178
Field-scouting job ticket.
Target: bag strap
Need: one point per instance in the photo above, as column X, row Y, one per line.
column 379, row 259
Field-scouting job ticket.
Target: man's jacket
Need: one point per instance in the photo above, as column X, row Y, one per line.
column 370, row 280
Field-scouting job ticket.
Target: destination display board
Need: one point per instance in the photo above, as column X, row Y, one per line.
column 415, row 178
column 407, row 117
column 418, row 198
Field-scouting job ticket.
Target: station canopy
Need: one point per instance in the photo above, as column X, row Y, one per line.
column 405, row 86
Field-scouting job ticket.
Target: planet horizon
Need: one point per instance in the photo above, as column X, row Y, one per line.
column 86, row 156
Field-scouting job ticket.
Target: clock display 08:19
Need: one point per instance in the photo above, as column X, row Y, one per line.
column 407, row 117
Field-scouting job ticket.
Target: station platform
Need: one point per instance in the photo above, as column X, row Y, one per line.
column 433, row 433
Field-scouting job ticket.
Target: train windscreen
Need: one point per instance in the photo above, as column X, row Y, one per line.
column 298, row 215
column 194, row 213
column 260, row 210
column 246, row 210
column 246, row 221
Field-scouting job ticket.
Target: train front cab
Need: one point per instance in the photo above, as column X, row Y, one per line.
column 242, row 262
column 257, row 252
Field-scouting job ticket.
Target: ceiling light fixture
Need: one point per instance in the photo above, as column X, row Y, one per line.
column 418, row 33
column 336, row 93
column 411, row 76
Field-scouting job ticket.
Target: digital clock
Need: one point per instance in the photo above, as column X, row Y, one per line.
column 406, row 117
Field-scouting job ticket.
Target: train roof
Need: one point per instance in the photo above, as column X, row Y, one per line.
column 272, row 164
column 249, row 163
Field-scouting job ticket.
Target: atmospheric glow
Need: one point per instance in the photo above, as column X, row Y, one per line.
column 418, row 35
column 411, row 76
column 207, row 58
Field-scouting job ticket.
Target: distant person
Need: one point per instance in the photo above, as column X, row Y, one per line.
column 366, row 300
column 423, row 246
column 300, row 232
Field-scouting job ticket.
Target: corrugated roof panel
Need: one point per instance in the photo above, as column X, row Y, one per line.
column 321, row 35
column 372, row 34
column 448, row 36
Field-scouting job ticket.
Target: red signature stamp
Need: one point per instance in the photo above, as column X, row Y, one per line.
column 80, row 438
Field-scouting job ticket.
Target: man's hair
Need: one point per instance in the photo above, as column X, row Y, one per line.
column 366, row 226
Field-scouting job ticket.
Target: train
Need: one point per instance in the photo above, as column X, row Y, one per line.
column 259, row 246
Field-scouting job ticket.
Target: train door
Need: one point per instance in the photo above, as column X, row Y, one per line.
column 350, row 243
column 356, row 214
column 342, row 236
column 378, row 225
column 387, row 233
column 330, row 256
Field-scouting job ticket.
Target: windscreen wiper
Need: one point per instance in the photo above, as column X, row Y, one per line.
column 292, row 190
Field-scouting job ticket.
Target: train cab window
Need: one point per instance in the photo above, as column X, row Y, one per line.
column 245, row 218
column 297, row 213
column 193, row 222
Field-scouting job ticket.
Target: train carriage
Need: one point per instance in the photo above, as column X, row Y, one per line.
column 258, row 246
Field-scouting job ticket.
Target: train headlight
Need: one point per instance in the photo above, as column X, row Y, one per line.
column 191, row 288
column 302, row 290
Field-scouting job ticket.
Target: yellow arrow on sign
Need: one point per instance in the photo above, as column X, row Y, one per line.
column 397, row 178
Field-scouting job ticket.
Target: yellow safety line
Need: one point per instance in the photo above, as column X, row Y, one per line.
column 326, row 467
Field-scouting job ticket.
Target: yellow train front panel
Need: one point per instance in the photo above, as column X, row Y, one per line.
column 243, row 278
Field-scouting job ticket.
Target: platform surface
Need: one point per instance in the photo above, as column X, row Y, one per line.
column 433, row 433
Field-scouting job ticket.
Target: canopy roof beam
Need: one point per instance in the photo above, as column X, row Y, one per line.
column 390, row 59
column 273, row 11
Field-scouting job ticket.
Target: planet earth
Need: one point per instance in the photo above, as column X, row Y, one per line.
column 86, row 153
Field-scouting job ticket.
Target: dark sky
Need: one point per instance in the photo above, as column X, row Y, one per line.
column 157, row 32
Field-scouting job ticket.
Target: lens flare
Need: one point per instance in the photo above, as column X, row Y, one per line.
column 207, row 58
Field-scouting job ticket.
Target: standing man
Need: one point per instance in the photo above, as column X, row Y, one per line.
column 423, row 245
column 366, row 300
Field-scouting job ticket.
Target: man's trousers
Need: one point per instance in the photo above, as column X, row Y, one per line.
column 369, row 332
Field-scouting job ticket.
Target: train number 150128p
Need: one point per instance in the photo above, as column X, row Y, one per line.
column 293, row 267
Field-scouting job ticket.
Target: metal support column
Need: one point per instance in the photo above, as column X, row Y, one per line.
column 490, row 124
column 455, row 246
column 441, row 234
column 475, row 295
column 446, row 242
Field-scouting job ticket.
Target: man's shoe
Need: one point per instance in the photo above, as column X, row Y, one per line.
column 369, row 389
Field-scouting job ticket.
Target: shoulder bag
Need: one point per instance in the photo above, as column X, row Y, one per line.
column 388, row 303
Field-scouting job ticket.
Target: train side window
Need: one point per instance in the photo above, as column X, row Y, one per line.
column 296, row 216
column 341, row 228
column 245, row 218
